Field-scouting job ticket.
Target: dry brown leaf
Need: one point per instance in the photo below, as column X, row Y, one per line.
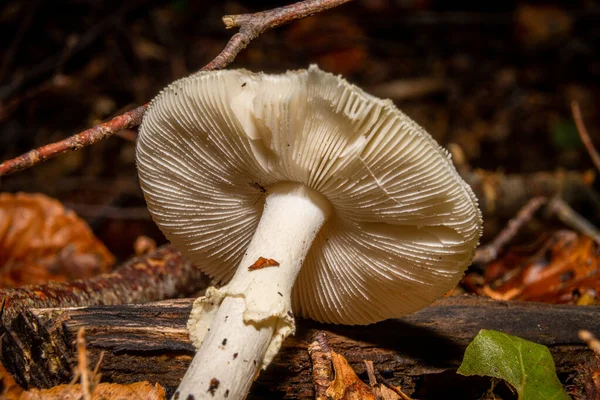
column 561, row 269
column 40, row 241
column 346, row 385
column 104, row 391
column 9, row 389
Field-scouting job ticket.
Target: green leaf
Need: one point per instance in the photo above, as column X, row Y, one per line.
column 525, row 365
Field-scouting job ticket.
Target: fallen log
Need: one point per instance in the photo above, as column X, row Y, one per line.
column 150, row 342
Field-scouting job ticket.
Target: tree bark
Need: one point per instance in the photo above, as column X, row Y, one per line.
column 160, row 274
column 150, row 342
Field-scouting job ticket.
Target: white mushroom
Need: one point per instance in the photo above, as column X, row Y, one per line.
column 360, row 212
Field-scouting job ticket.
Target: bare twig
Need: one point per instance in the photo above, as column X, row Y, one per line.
column 490, row 251
column 76, row 142
column 405, row 89
column 82, row 365
column 589, row 338
column 322, row 368
column 251, row 26
column 393, row 388
column 584, row 135
column 572, row 218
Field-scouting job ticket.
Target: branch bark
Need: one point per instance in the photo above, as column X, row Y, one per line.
column 162, row 274
column 251, row 26
column 423, row 348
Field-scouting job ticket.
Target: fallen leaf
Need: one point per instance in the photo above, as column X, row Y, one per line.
column 525, row 365
column 9, row 389
column 561, row 269
column 346, row 385
column 113, row 391
column 41, row 241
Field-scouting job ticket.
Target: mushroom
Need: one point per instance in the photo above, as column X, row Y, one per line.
column 299, row 192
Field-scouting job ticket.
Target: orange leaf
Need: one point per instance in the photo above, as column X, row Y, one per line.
column 346, row 385
column 40, row 241
column 559, row 270
column 138, row 390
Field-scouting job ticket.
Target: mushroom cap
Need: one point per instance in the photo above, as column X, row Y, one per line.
column 404, row 225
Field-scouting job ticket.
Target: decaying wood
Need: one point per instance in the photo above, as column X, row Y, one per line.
column 319, row 352
column 161, row 274
column 151, row 341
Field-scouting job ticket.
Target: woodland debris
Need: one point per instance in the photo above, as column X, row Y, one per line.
column 561, row 268
column 573, row 219
column 489, row 252
column 158, row 275
column 584, row 135
column 322, row 369
column 503, row 195
column 590, row 339
column 152, row 340
column 346, row 385
column 586, row 380
column 383, row 390
column 113, row 391
column 40, row 240
column 250, row 27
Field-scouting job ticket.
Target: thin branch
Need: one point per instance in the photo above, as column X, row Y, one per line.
column 251, row 26
column 589, row 338
column 490, row 251
column 322, row 369
column 572, row 218
column 158, row 275
column 76, row 142
column 584, row 135
column 82, row 365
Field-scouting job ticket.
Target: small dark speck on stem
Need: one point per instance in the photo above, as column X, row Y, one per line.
column 279, row 293
column 226, row 393
column 224, row 342
column 244, row 84
column 214, row 385
column 235, row 355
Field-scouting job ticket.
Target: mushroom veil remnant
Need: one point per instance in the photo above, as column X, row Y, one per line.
column 299, row 193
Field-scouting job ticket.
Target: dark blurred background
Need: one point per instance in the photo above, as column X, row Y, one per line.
column 497, row 78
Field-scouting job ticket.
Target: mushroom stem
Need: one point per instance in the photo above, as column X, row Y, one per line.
column 244, row 332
